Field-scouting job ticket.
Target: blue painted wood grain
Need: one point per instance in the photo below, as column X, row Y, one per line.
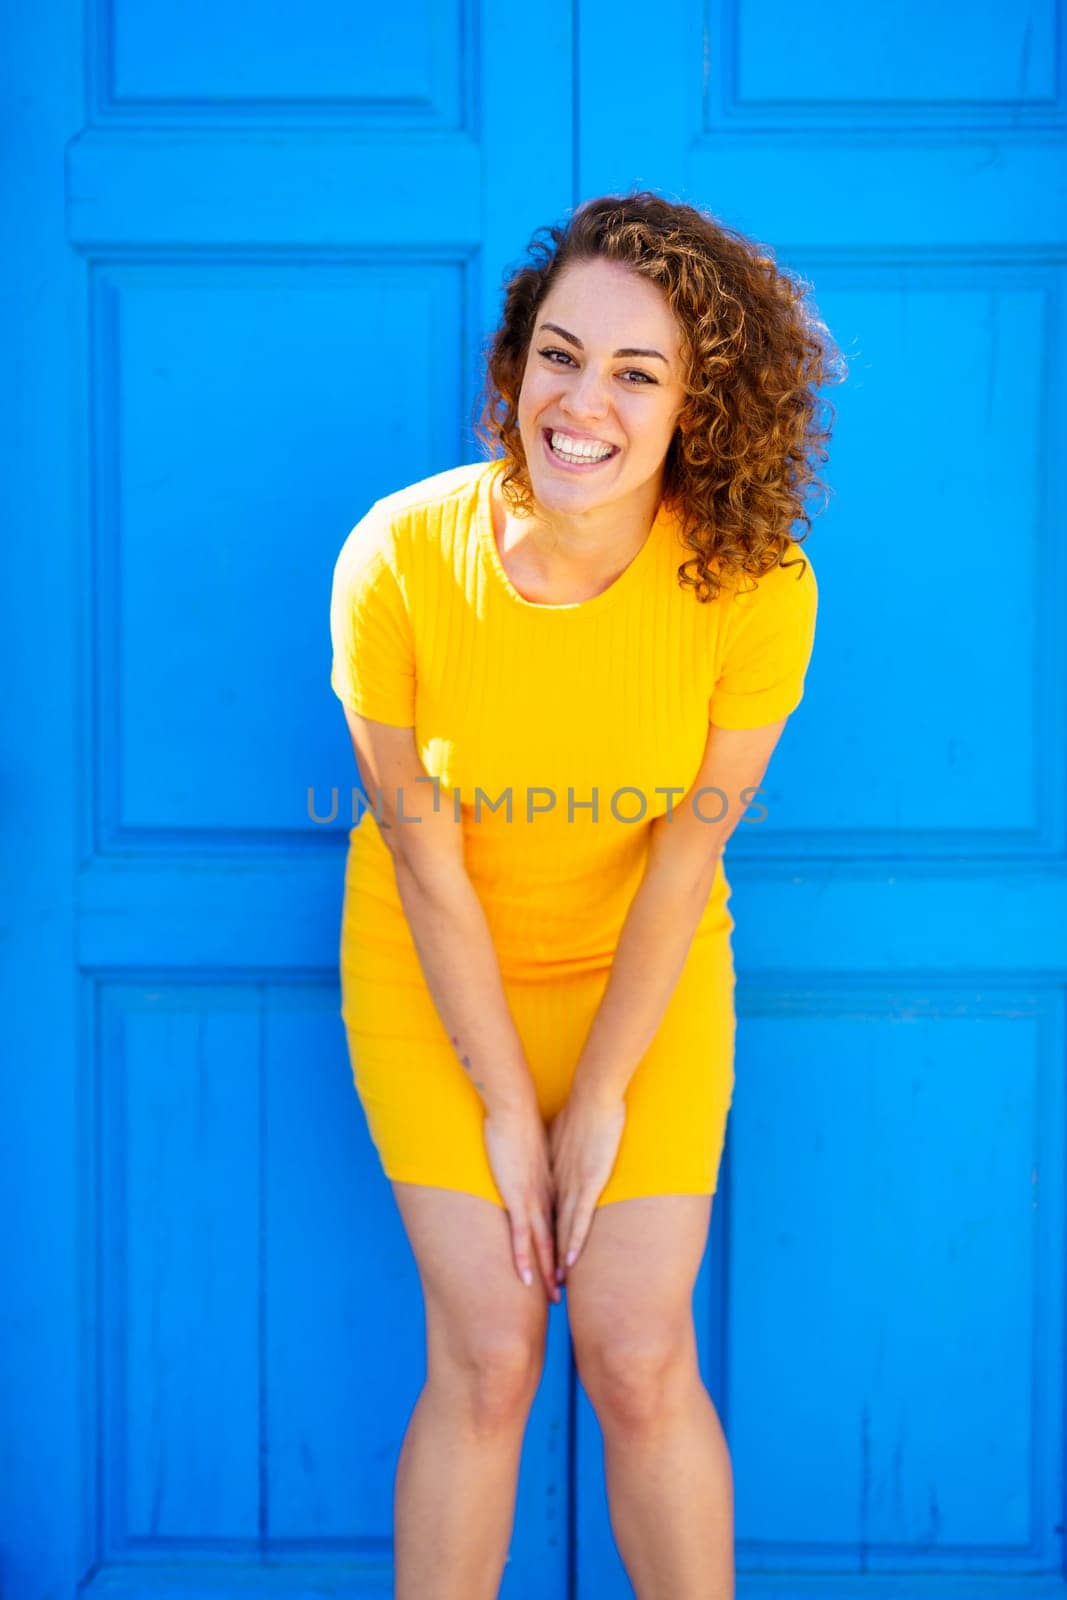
column 251, row 260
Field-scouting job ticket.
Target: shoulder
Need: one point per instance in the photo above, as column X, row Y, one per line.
column 794, row 567
column 771, row 614
column 429, row 493
column 766, row 642
column 788, row 588
column 383, row 535
column 400, row 526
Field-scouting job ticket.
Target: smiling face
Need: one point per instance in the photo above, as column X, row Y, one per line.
column 603, row 374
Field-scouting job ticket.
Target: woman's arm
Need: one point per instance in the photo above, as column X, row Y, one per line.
column 664, row 914
column 459, row 961
column 446, row 918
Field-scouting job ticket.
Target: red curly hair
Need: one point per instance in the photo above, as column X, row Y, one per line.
column 750, row 437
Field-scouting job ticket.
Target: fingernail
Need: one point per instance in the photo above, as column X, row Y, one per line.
column 572, row 1256
column 527, row 1276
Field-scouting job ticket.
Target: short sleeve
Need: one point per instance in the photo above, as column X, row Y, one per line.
column 373, row 670
column 769, row 636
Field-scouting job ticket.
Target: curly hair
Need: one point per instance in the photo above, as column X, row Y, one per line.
column 750, row 436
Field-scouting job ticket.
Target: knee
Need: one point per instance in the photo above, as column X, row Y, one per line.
column 633, row 1378
column 495, row 1377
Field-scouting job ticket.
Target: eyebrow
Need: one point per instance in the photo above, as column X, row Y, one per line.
column 574, row 340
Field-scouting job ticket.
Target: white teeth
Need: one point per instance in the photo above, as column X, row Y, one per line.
column 579, row 450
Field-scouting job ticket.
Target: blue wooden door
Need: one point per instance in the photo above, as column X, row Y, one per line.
column 250, row 259
column 881, row 1304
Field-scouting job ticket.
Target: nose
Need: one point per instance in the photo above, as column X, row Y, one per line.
column 586, row 396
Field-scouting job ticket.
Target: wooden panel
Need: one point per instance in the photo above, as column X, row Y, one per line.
column 887, row 1331
column 253, row 281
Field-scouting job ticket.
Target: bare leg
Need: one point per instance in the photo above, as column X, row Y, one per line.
column 667, row 1466
column 670, row 1486
column 456, row 1479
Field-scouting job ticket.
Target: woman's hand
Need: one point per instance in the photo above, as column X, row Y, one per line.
column 583, row 1142
column 517, row 1147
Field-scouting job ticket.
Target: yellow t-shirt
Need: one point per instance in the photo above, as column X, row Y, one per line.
column 584, row 721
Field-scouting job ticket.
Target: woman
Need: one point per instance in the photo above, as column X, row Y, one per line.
column 565, row 670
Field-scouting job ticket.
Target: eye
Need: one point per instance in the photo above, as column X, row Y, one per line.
column 633, row 372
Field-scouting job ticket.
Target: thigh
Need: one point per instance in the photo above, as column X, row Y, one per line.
column 632, row 1285
column 426, row 1118
column 476, row 1306
column 423, row 1113
column 679, row 1097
